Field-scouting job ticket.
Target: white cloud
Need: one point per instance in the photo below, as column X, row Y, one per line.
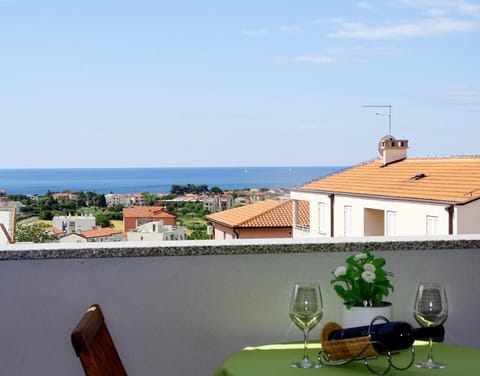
column 317, row 59
column 467, row 8
column 436, row 12
column 290, row 29
column 428, row 27
column 256, row 32
column 462, row 94
column 364, row 5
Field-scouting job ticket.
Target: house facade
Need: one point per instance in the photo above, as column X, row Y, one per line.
column 394, row 196
column 264, row 219
column 74, row 223
column 157, row 231
column 105, row 234
column 140, row 215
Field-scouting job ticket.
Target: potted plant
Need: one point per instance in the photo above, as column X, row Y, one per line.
column 362, row 283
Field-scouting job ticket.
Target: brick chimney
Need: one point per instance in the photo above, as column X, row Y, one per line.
column 392, row 150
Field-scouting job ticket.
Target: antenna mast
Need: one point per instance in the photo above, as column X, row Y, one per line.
column 389, row 115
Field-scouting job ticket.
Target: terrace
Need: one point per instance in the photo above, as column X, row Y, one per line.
column 182, row 307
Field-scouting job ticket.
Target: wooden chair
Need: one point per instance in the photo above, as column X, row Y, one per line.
column 94, row 346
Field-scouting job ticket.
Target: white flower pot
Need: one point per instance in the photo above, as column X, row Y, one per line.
column 360, row 316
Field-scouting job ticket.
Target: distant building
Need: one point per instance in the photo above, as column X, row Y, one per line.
column 69, row 223
column 139, row 215
column 105, row 234
column 156, row 231
column 218, row 203
column 64, row 196
column 125, row 199
column 264, row 219
column 394, row 196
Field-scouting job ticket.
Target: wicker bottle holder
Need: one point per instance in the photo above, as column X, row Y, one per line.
column 340, row 352
column 345, row 348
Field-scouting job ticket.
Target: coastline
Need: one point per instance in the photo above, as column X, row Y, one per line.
column 155, row 180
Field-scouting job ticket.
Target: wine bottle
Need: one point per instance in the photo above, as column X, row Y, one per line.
column 395, row 335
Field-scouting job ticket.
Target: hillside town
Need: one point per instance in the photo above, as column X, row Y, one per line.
column 392, row 195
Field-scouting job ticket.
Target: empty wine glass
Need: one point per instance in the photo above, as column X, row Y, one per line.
column 306, row 310
column 431, row 309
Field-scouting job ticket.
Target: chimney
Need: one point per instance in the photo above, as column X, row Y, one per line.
column 392, row 150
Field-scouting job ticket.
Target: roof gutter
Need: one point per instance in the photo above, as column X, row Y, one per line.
column 235, row 232
column 332, row 214
column 450, row 209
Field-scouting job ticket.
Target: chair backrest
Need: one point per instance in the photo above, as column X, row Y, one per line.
column 94, row 346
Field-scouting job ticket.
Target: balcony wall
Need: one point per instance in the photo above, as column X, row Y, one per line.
column 181, row 308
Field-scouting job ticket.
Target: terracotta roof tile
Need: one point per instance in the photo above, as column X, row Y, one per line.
column 96, row 233
column 146, row 212
column 267, row 213
column 454, row 180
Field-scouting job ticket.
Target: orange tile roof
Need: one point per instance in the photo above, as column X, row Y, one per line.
column 146, row 212
column 96, row 233
column 453, row 180
column 267, row 213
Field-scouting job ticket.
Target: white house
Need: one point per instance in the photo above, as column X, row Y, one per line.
column 105, row 234
column 77, row 223
column 394, row 196
column 153, row 231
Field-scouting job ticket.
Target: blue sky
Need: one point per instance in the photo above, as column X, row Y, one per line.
column 235, row 83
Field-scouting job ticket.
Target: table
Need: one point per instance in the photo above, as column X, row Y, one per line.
column 275, row 360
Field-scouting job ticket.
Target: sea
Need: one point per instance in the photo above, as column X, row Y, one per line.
column 156, row 180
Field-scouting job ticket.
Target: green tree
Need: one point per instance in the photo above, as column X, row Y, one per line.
column 102, row 201
column 101, row 219
column 216, row 191
column 198, row 235
column 33, row 232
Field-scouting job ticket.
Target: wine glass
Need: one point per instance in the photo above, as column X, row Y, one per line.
column 431, row 309
column 306, row 310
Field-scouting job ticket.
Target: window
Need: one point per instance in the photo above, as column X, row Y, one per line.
column 322, row 226
column 347, row 218
column 432, row 225
column 391, row 223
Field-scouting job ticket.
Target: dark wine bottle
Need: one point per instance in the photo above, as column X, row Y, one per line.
column 395, row 335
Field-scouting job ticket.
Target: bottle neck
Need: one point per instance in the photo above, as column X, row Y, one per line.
column 436, row 333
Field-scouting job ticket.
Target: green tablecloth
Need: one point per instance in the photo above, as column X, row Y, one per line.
column 275, row 360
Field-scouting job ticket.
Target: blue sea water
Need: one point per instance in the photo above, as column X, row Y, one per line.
column 155, row 180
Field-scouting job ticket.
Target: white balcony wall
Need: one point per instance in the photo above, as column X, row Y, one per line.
column 183, row 315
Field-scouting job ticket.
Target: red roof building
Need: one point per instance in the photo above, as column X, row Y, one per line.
column 139, row 215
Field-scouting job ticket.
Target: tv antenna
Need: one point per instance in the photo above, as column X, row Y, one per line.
column 389, row 115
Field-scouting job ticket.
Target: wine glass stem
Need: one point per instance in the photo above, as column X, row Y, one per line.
column 430, row 344
column 305, row 343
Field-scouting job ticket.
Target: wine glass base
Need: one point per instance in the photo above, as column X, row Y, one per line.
column 305, row 364
column 430, row 364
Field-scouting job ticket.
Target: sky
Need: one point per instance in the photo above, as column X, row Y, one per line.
column 187, row 83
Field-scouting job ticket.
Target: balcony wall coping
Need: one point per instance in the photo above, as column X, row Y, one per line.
column 56, row 251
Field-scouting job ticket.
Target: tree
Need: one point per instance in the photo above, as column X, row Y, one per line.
column 101, row 219
column 102, row 202
column 33, row 232
column 198, row 235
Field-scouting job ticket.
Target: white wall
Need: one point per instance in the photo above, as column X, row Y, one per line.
column 411, row 216
column 185, row 315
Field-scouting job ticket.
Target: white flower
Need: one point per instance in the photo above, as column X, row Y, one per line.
column 369, row 267
column 368, row 276
column 341, row 270
column 360, row 256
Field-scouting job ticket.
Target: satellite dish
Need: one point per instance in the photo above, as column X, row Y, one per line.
column 387, row 137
